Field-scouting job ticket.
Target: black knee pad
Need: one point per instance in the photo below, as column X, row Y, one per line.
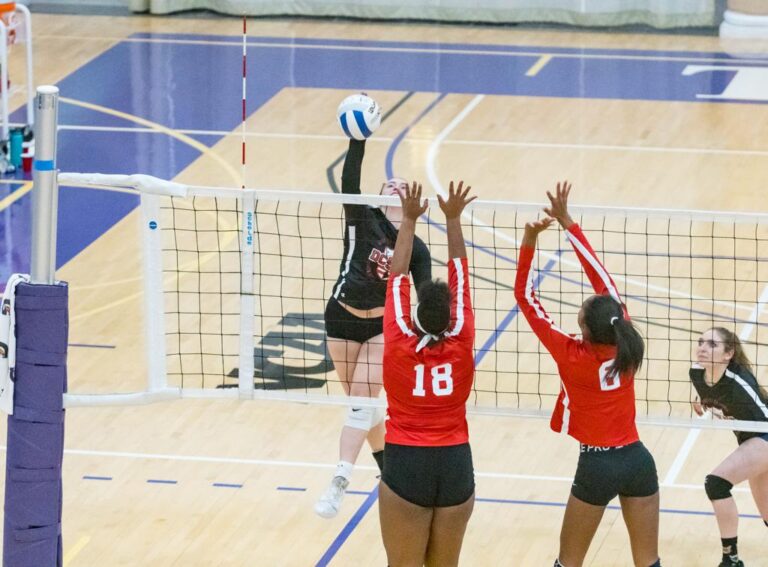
column 717, row 488
column 657, row 564
column 766, row 523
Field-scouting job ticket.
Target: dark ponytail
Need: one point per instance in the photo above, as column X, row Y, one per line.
column 605, row 322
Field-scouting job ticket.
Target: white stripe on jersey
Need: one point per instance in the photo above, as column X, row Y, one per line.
column 459, row 299
column 399, row 306
column 539, row 313
column 566, row 410
column 349, row 260
column 749, row 390
column 595, row 265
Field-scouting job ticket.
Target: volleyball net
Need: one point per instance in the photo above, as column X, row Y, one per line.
column 238, row 281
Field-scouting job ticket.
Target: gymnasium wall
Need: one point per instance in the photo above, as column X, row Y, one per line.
column 656, row 13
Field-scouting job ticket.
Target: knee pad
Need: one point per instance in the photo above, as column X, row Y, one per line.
column 361, row 418
column 717, row 488
column 657, row 564
column 766, row 523
column 378, row 416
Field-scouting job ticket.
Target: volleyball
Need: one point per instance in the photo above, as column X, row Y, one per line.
column 359, row 116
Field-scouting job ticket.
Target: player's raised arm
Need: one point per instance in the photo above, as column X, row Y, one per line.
column 452, row 207
column 598, row 276
column 413, row 208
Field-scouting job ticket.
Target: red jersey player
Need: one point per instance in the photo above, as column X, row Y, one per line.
column 427, row 487
column 596, row 404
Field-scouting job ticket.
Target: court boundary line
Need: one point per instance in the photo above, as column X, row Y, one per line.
column 454, row 142
column 318, row 465
column 444, row 49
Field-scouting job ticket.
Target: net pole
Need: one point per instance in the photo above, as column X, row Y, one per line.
column 35, row 442
column 45, row 187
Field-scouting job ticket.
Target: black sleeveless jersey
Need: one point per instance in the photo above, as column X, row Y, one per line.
column 737, row 395
column 369, row 242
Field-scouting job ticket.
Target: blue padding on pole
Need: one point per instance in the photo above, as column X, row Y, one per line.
column 33, row 488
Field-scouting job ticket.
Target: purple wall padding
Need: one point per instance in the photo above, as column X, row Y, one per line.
column 32, row 530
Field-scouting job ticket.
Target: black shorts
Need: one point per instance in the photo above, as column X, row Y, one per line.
column 606, row 472
column 431, row 477
column 742, row 436
column 341, row 324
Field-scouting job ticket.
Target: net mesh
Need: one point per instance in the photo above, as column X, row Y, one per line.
column 679, row 274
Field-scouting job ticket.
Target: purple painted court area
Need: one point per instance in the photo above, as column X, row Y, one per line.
column 183, row 85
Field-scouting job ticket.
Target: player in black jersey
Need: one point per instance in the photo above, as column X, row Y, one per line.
column 354, row 317
column 727, row 387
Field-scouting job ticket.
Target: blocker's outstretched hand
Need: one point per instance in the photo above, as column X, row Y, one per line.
column 454, row 205
column 411, row 202
column 558, row 208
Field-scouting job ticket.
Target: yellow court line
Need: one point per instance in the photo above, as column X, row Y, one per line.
column 538, row 66
column 15, row 196
column 73, row 551
column 199, row 146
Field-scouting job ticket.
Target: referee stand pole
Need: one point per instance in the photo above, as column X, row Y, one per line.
column 33, row 487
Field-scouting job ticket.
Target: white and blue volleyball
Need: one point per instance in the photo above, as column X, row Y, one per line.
column 359, row 116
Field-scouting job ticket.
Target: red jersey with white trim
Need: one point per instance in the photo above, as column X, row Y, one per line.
column 593, row 408
column 427, row 390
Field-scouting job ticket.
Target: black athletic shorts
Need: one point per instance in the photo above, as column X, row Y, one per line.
column 606, row 472
column 742, row 436
column 341, row 324
column 432, row 477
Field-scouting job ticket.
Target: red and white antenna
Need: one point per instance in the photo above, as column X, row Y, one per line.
column 245, row 35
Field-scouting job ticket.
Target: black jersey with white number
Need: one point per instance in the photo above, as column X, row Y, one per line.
column 737, row 395
column 369, row 242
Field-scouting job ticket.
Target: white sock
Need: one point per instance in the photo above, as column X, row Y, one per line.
column 344, row 469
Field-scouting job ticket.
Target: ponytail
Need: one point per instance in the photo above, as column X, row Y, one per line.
column 630, row 348
column 604, row 319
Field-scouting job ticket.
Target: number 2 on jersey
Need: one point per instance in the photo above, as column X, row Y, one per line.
column 442, row 381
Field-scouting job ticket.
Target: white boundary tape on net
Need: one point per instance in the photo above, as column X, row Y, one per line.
column 156, row 186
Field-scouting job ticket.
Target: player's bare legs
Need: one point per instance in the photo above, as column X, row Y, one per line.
column 405, row 529
column 579, row 526
column 641, row 514
column 447, row 534
column 344, row 355
column 366, row 382
column 360, row 372
column 759, row 486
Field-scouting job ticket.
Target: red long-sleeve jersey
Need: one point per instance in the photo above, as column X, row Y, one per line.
column 592, row 407
column 427, row 390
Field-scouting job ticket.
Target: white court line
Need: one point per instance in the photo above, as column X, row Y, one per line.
column 693, row 434
column 443, row 49
column 311, row 465
column 454, row 142
column 682, row 456
column 609, row 147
